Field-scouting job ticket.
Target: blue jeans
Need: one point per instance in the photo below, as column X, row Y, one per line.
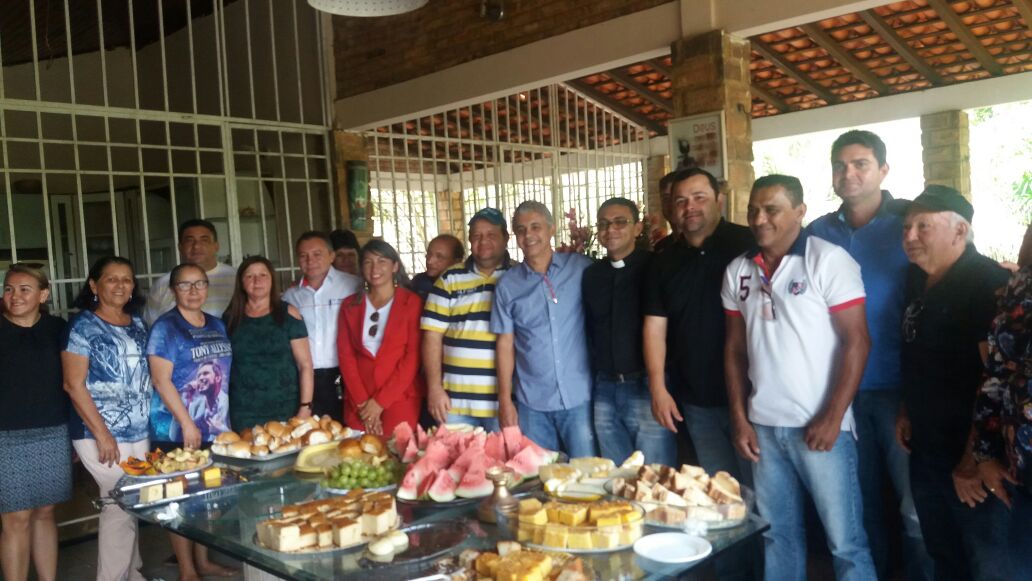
column 710, row 431
column 567, row 430
column 875, row 412
column 624, row 422
column 489, row 424
column 965, row 543
column 1021, row 533
column 786, row 472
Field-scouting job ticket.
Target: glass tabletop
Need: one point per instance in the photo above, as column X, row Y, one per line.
column 227, row 520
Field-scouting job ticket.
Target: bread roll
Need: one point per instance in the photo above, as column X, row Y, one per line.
column 301, row 430
column 295, row 422
column 372, row 444
column 259, row 451
column 324, row 422
column 316, row 437
column 219, row 449
column 246, row 434
column 241, row 449
column 277, row 429
column 259, row 429
column 336, row 428
column 274, row 443
column 260, row 438
column 349, row 449
column 288, row 446
column 227, row 438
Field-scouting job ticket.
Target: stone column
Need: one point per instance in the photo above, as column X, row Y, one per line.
column 348, row 147
column 944, row 150
column 711, row 73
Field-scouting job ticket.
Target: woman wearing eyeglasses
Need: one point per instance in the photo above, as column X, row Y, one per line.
column 190, row 357
column 378, row 344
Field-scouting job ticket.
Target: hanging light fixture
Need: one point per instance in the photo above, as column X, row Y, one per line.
column 367, row 8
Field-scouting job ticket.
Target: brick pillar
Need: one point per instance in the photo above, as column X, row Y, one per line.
column 450, row 217
column 348, row 147
column 657, row 168
column 944, row 143
column 711, row 73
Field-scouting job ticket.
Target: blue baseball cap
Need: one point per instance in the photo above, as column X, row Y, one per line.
column 492, row 216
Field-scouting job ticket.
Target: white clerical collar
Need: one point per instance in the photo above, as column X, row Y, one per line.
column 617, row 263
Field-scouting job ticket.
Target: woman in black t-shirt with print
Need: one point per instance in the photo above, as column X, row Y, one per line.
column 35, row 453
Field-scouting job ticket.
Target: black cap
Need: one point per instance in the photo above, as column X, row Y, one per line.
column 945, row 199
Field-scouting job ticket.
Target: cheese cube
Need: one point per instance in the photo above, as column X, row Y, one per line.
column 537, row 518
column 174, row 489
column 212, row 477
column 377, row 521
column 525, row 534
column 553, row 508
column 630, row 533
column 579, row 538
column 285, row 537
column 486, row 564
column 606, row 537
column 608, row 520
column 152, row 493
column 556, row 536
column 530, row 505
column 572, row 515
column 629, row 516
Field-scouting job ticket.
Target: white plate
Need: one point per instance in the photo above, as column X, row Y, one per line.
column 673, row 548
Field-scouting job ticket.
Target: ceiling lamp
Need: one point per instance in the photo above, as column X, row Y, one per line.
column 367, row 7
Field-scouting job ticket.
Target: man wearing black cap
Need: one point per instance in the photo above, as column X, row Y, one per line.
column 951, row 302
column 345, row 251
column 458, row 348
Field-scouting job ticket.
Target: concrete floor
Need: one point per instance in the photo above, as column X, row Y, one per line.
column 78, row 561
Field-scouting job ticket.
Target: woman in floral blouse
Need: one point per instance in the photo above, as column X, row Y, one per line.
column 1003, row 416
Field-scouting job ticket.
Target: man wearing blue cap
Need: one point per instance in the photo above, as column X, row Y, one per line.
column 951, row 302
column 458, row 347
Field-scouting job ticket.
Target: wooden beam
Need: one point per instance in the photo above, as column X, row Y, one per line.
column 643, row 90
column 945, row 11
column 775, row 58
column 890, row 36
column 770, row 98
column 1025, row 8
column 616, row 106
column 845, row 58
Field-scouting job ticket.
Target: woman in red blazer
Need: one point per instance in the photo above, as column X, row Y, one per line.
column 378, row 344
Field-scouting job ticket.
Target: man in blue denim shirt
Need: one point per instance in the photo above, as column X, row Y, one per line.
column 542, row 355
column 612, row 298
column 869, row 226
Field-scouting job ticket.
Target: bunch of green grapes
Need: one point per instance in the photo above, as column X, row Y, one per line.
column 355, row 473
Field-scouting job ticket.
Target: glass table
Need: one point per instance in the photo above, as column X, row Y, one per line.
column 226, row 520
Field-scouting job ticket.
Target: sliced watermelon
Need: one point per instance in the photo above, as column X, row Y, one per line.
column 409, row 487
column 474, row 484
column 438, row 454
column 402, row 437
column 466, row 458
column 421, row 437
column 424, row 486
column 443, row 489
column 494, row 446
column 544, row 456
column 411, row 453
column 525, row 463
column 513, row 438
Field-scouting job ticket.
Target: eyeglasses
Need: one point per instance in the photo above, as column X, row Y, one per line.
column 618, row 224
column 185, row 285
column 375, row 318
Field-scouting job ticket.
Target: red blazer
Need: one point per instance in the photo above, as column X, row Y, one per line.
column 392, row 375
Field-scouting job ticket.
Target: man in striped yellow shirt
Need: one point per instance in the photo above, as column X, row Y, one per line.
column 458, row 348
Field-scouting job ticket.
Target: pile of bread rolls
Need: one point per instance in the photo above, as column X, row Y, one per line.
column 277, row 437
column 368, row 446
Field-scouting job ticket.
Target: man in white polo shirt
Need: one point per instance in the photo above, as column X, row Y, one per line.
column 318, row 296
column 796, row 330
column 198, row 244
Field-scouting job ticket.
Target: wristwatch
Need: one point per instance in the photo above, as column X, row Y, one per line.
column 306, row 404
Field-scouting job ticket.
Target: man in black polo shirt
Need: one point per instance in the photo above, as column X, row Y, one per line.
column 684, row 322
column 612, row 296
column 951, row 302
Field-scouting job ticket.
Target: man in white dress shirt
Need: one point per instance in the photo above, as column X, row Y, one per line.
column 198, row 244
column 318, row 296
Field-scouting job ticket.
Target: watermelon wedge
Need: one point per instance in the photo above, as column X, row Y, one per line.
column 421, row 437
column 402, row 436
column 494, row 447
column 474, row 484
column 443, row 489
column 544, row 456
column 438, row 455
column 463, row 462
column 423, row 490
column 411, row 452
column 525, row 463
column 409, row 487
column 513, row 439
